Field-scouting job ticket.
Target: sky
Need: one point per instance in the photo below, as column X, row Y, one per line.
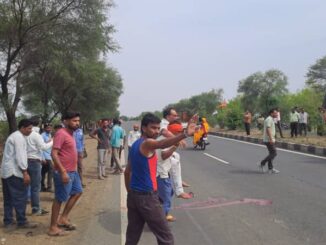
column 174, row 49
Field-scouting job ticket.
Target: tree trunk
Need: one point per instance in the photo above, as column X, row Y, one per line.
column 324, row 103
column 11, row 119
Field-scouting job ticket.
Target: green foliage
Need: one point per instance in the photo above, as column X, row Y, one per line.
column 138, row 118
column 4, row 131
column 261, row 91
column 204, row 104
column 231, row 115
column 317, row 78
column 307, row 99
column 50, row 52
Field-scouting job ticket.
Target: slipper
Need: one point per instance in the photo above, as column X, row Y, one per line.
column 59, row 233
column 170, row 218
column 68, row 227
column 191, row 194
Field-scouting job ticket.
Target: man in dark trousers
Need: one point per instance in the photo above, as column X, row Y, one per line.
column 269, row 141
column 140, row 180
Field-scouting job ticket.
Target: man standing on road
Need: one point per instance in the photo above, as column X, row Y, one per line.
column 169, row 116
column 116, row 137
column 79, row 138
column 102, row 135
column 269, row 141
column 15, row 177
column 277, row 122
column 47, row 164
column 133, row 136
column 35, row 148
column 247, row 117
column 303, row 122
column 67, row 183
column 294, row 122
column 140, row 181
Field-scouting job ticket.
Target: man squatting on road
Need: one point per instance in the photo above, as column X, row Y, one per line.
column 140, row 181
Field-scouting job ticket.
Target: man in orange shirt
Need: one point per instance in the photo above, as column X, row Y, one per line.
column 247, row 117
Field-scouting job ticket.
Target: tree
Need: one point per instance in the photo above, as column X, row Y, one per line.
column 231, row 115
column 23, row 24
column 28, row 27
column 261, row 91
column 204, row 104
column 317, row 78
column 306, row 98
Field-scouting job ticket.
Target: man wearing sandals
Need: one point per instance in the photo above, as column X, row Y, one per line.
column 67, row 182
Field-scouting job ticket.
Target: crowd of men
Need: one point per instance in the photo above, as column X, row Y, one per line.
column 298, row 119
column 33, row 162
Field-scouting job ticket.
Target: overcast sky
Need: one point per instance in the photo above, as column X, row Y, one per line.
column 173, row 49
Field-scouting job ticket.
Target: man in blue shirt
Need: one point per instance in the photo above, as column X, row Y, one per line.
column 47, row 165
column 116, row 137
column 79, row 138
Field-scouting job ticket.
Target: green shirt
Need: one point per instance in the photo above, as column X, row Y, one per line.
column 269, row 123
column 294, row 116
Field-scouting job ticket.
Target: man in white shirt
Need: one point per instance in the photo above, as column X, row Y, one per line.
column 170, row 115
column 35, row 148
column 133, row 135
column 303, row 122
column 15, row 177
column 277, row 121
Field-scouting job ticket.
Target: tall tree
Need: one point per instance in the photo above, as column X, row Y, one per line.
column 23, row 24
column 317, row 77
column 29, row 27
column 261, row 91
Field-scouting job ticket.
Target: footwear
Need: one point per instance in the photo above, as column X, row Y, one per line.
column 27, row 225
column 105, row 176
column 170, row 218
column 9, row 227
column 59, row 233
column 261, row 167
column 40, row 212
column 43, row 189
column 273, row 171
column 184, row 184
column 68, row 227
column 100, row 177
column 185, row 195
column 49, row 189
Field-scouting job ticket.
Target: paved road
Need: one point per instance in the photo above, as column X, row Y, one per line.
column 236, row 204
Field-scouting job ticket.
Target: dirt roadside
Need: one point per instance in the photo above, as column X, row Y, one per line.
column 83, row 211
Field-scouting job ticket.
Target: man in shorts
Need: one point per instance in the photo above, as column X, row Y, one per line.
column 67, row 182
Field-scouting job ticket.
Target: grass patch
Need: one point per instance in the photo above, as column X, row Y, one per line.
column 311, row 139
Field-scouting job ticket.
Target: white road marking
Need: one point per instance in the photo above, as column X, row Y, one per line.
column 280, row 149
column 216, row 158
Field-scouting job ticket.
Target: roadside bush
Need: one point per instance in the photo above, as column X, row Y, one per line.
column 231, row 115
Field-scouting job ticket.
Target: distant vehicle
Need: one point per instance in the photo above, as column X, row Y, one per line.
column 202, row 143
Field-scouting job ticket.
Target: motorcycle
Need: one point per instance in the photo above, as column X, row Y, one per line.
column 202, row 143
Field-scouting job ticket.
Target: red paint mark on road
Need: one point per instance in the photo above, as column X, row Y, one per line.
column 222, row 202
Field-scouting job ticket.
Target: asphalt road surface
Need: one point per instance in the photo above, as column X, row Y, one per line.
column 237, row 204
